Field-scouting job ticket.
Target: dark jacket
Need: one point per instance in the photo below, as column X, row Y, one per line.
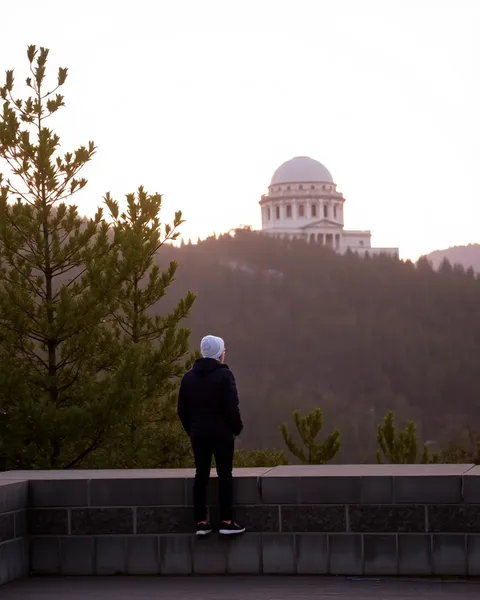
column 208, row 401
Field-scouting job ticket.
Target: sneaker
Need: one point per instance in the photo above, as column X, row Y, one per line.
column 231, row 528
column 204, row 528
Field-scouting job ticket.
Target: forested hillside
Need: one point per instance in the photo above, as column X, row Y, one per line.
column 305, row 327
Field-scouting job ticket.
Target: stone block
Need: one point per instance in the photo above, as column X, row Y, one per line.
column 111, row 555
column 4, row 570
column 7, row 527
column 45, row 555
column 449, row 555
column 454, row 518
column 165, row 519
column 312, row 554
column 48, row 521
column 317, row 518
column 13, row 495
column 244, row 554
column 138, row 492
column 345, row 554
column 311, row 484
column 380, row 554
column 260, row 518
column 414, row 555
column 76, row 555
column 209, row 555
column 473, row 555
column 278, row 554
column 246, row 490
column 14, row 560
column 58, row 492
column 279, row 490
column 143, row 555
column 386, row 518
column 376, row 490
column 21, row 526
column 330, row 490
column 428, row 489
column 176, row 554
column 101, row 521
column 471, row 486
column 22, row 556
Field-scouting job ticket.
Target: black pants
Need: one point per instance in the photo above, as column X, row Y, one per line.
column 222, row 450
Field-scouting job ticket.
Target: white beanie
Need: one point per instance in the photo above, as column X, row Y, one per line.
column 212, row 347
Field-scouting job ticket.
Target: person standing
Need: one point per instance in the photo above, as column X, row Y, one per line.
column 209, row 412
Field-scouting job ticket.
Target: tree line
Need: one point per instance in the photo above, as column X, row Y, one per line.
column 396, row 445
column 92, row 347
column 307, row 328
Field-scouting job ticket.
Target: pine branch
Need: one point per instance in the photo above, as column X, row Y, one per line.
column 88, row 450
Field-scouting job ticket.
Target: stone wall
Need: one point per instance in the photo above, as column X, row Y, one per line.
column 14, row 560
column 339, row 520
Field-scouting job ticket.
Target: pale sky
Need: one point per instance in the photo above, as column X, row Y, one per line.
column 202, row 100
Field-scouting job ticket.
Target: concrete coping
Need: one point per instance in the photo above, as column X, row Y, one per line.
column 301, row 471
column 118, row 474
column 442, row 470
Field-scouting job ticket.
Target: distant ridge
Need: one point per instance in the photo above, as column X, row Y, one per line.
column 467, row 256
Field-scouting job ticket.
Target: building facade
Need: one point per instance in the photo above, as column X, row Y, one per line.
column 303, row 202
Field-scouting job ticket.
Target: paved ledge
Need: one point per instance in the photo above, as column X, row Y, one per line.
column 326, row 484
column 236, row 588
column 388, row 520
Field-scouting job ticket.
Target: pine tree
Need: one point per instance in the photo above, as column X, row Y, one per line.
column 68, row 381
column 312, row 451
column 400, row 447
column 55, row 287
column 150, row 435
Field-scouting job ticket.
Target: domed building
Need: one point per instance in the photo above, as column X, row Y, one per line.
column 303, row 202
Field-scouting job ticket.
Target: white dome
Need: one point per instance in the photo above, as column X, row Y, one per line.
column 301, row 169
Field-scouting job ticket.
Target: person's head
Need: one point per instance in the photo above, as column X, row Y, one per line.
column 212, row 346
